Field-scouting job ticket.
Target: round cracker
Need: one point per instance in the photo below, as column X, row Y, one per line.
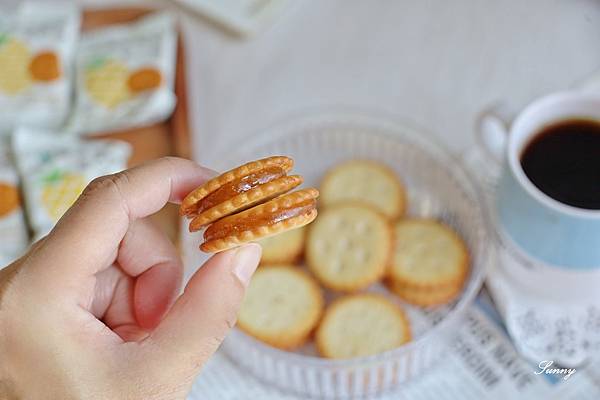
column 281, row 307
column 428, row 297
column 267, row 227
column 245, row 200
column 285, row 248
column 428, row 254
column 189, row 204
column 349, row 246
column 361, row 325
column 366, row 182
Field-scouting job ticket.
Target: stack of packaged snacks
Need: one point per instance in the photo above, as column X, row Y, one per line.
column 37, row 45
column 55, row 169
column 125, row 75
column 122, row 76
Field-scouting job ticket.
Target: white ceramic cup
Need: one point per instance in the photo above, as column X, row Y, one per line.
column 553, row 232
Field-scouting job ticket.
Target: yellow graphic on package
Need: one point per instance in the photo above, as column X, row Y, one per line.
column 110, row 82
column 59, row 192
column 19, row 69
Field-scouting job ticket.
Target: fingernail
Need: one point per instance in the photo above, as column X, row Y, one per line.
column 245, row 261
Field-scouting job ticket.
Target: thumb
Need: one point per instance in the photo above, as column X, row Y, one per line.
column 199, row 320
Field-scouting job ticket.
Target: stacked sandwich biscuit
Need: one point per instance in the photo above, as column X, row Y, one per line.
column 248, row 203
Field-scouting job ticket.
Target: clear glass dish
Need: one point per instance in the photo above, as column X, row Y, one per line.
column 437, row 187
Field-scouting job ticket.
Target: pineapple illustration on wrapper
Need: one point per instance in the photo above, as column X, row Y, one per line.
column 14, row 63
column 37, row 45
column 20, row 69
column 55, row 169
column 110, row 82
column 106, row 82
column 60, row 190
column 125, row 75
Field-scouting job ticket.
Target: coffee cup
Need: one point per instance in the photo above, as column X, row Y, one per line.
column 545, row 228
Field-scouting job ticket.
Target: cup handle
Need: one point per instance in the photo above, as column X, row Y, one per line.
column 485, row 159
column 492, row 132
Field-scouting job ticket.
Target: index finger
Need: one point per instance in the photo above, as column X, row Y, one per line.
column 87, row 237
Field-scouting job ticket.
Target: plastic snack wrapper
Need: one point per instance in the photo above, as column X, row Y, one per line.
column 14, row 237
column 37, row 45
column 125, row 75
column 56, row 168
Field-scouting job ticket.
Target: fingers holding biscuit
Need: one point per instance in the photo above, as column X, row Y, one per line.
column 147, row 254
column 204, row 313
column 107, row 208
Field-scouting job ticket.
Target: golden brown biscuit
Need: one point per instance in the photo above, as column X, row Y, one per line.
column 45, row 66
column 285, row 248
column 366, row 182
column 282, row 306
column 144, row 79
column 349, row 246
column 427, row 297
column 361, row 325
column 9, row 199
column 428, row 254
column 278, row 215
column 227, row 200
column 239, row 189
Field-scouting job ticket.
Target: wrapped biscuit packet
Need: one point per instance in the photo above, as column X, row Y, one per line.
column 56, row 168
column 37, row 43
column 13, row 230
column 125, row 75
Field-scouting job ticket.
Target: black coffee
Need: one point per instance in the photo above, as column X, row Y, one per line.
column 563, row 161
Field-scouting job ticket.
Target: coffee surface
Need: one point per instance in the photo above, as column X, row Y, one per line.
column 563, row 161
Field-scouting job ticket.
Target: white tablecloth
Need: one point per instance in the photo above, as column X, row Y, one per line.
column 432, row 62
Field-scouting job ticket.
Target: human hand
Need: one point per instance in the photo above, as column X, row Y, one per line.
column 90, row 312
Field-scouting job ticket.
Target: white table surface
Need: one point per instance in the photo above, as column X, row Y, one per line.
column 432, row 62
column 435, row 63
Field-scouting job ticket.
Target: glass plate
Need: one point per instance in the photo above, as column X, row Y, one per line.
column 437, row 187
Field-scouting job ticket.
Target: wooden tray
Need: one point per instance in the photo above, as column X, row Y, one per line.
column 170, row 137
